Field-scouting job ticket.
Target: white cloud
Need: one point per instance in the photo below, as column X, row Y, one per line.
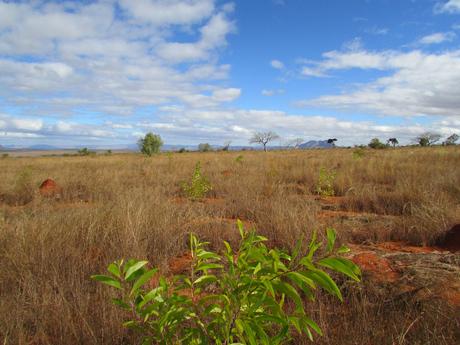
column 270, row 93
column 172, row 12
column 451, row 6
column 213, row 35
column 226, row 95
column 417, row 83
column 10, row 123
column 375, row 30
column 59, row 58
column 438, row 37
column 277, row 64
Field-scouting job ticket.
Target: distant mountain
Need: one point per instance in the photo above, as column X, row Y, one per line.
column 316, row 144
column 42, row 148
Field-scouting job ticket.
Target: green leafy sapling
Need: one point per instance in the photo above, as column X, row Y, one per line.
column 198, row 187
column 237, row 297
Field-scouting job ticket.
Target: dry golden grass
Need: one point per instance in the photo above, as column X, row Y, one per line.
column 128, row 205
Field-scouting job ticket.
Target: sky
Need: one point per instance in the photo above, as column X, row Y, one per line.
column 103, row 73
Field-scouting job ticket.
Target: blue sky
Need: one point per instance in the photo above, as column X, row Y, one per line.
column 103, row 73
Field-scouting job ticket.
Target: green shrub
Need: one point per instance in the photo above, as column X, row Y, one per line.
column 5, row 155
column 150, row 144
column 251, row 295
column 325, row 184
column 377, row 144
column 198, row 187
column 358, row 153
column 85, row 152
column 239, row 159
column 204, row 147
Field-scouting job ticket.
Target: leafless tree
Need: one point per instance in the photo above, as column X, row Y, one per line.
column 263, row 138
column 427, row 138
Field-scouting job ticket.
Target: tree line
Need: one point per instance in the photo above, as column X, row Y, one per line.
column 151, row 143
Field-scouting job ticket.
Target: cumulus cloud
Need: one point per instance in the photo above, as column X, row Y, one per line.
column 239, row 124
column 451, row 6
column 416, row 83
column 438, row 37
column 111, row 57
column 213, row 35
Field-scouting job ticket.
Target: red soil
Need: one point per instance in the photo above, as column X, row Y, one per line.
column 181, row 264
column 404, row 248
column 226, row 173
column 49, row 188
column 379, row 268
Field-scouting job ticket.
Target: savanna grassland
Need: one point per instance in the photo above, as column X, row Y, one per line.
column 131, row 206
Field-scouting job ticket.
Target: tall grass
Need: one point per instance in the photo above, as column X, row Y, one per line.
column 128, row 205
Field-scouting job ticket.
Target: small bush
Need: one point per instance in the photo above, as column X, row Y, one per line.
column 204, row 147
column 377, row 144
column 251, row 295
column 239, row 159
column 198, row 187
column 325, row 184
column 358, row 153
column 5, row 155
column 85, row 152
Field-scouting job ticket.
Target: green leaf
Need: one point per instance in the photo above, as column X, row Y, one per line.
column 245, row 328
column 312, row 324
column 291, row 292
column 143, row 279
column 107, row 280
column 239, row 223
column 203, row 254
column 120, row 303
column 205, row 267
column 205, row 279
column 152, row 294
column 343, row 250
column 301, row 279
column 341, row 265
column 331, row 237
column 134, row 268
column 114, row 269
column 257, row 268
column 325, row 281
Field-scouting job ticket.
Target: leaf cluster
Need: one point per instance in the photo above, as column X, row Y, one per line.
column 199, row 185
column 325, row 183
column 248, row 295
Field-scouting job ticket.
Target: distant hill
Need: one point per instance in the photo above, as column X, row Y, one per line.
column 316, row 144
column 42, row 148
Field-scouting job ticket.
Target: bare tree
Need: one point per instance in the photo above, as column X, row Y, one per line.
column 393, row 141
column 451, row 139
column 263, row 138
column 427, row 138
column 226, row 146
